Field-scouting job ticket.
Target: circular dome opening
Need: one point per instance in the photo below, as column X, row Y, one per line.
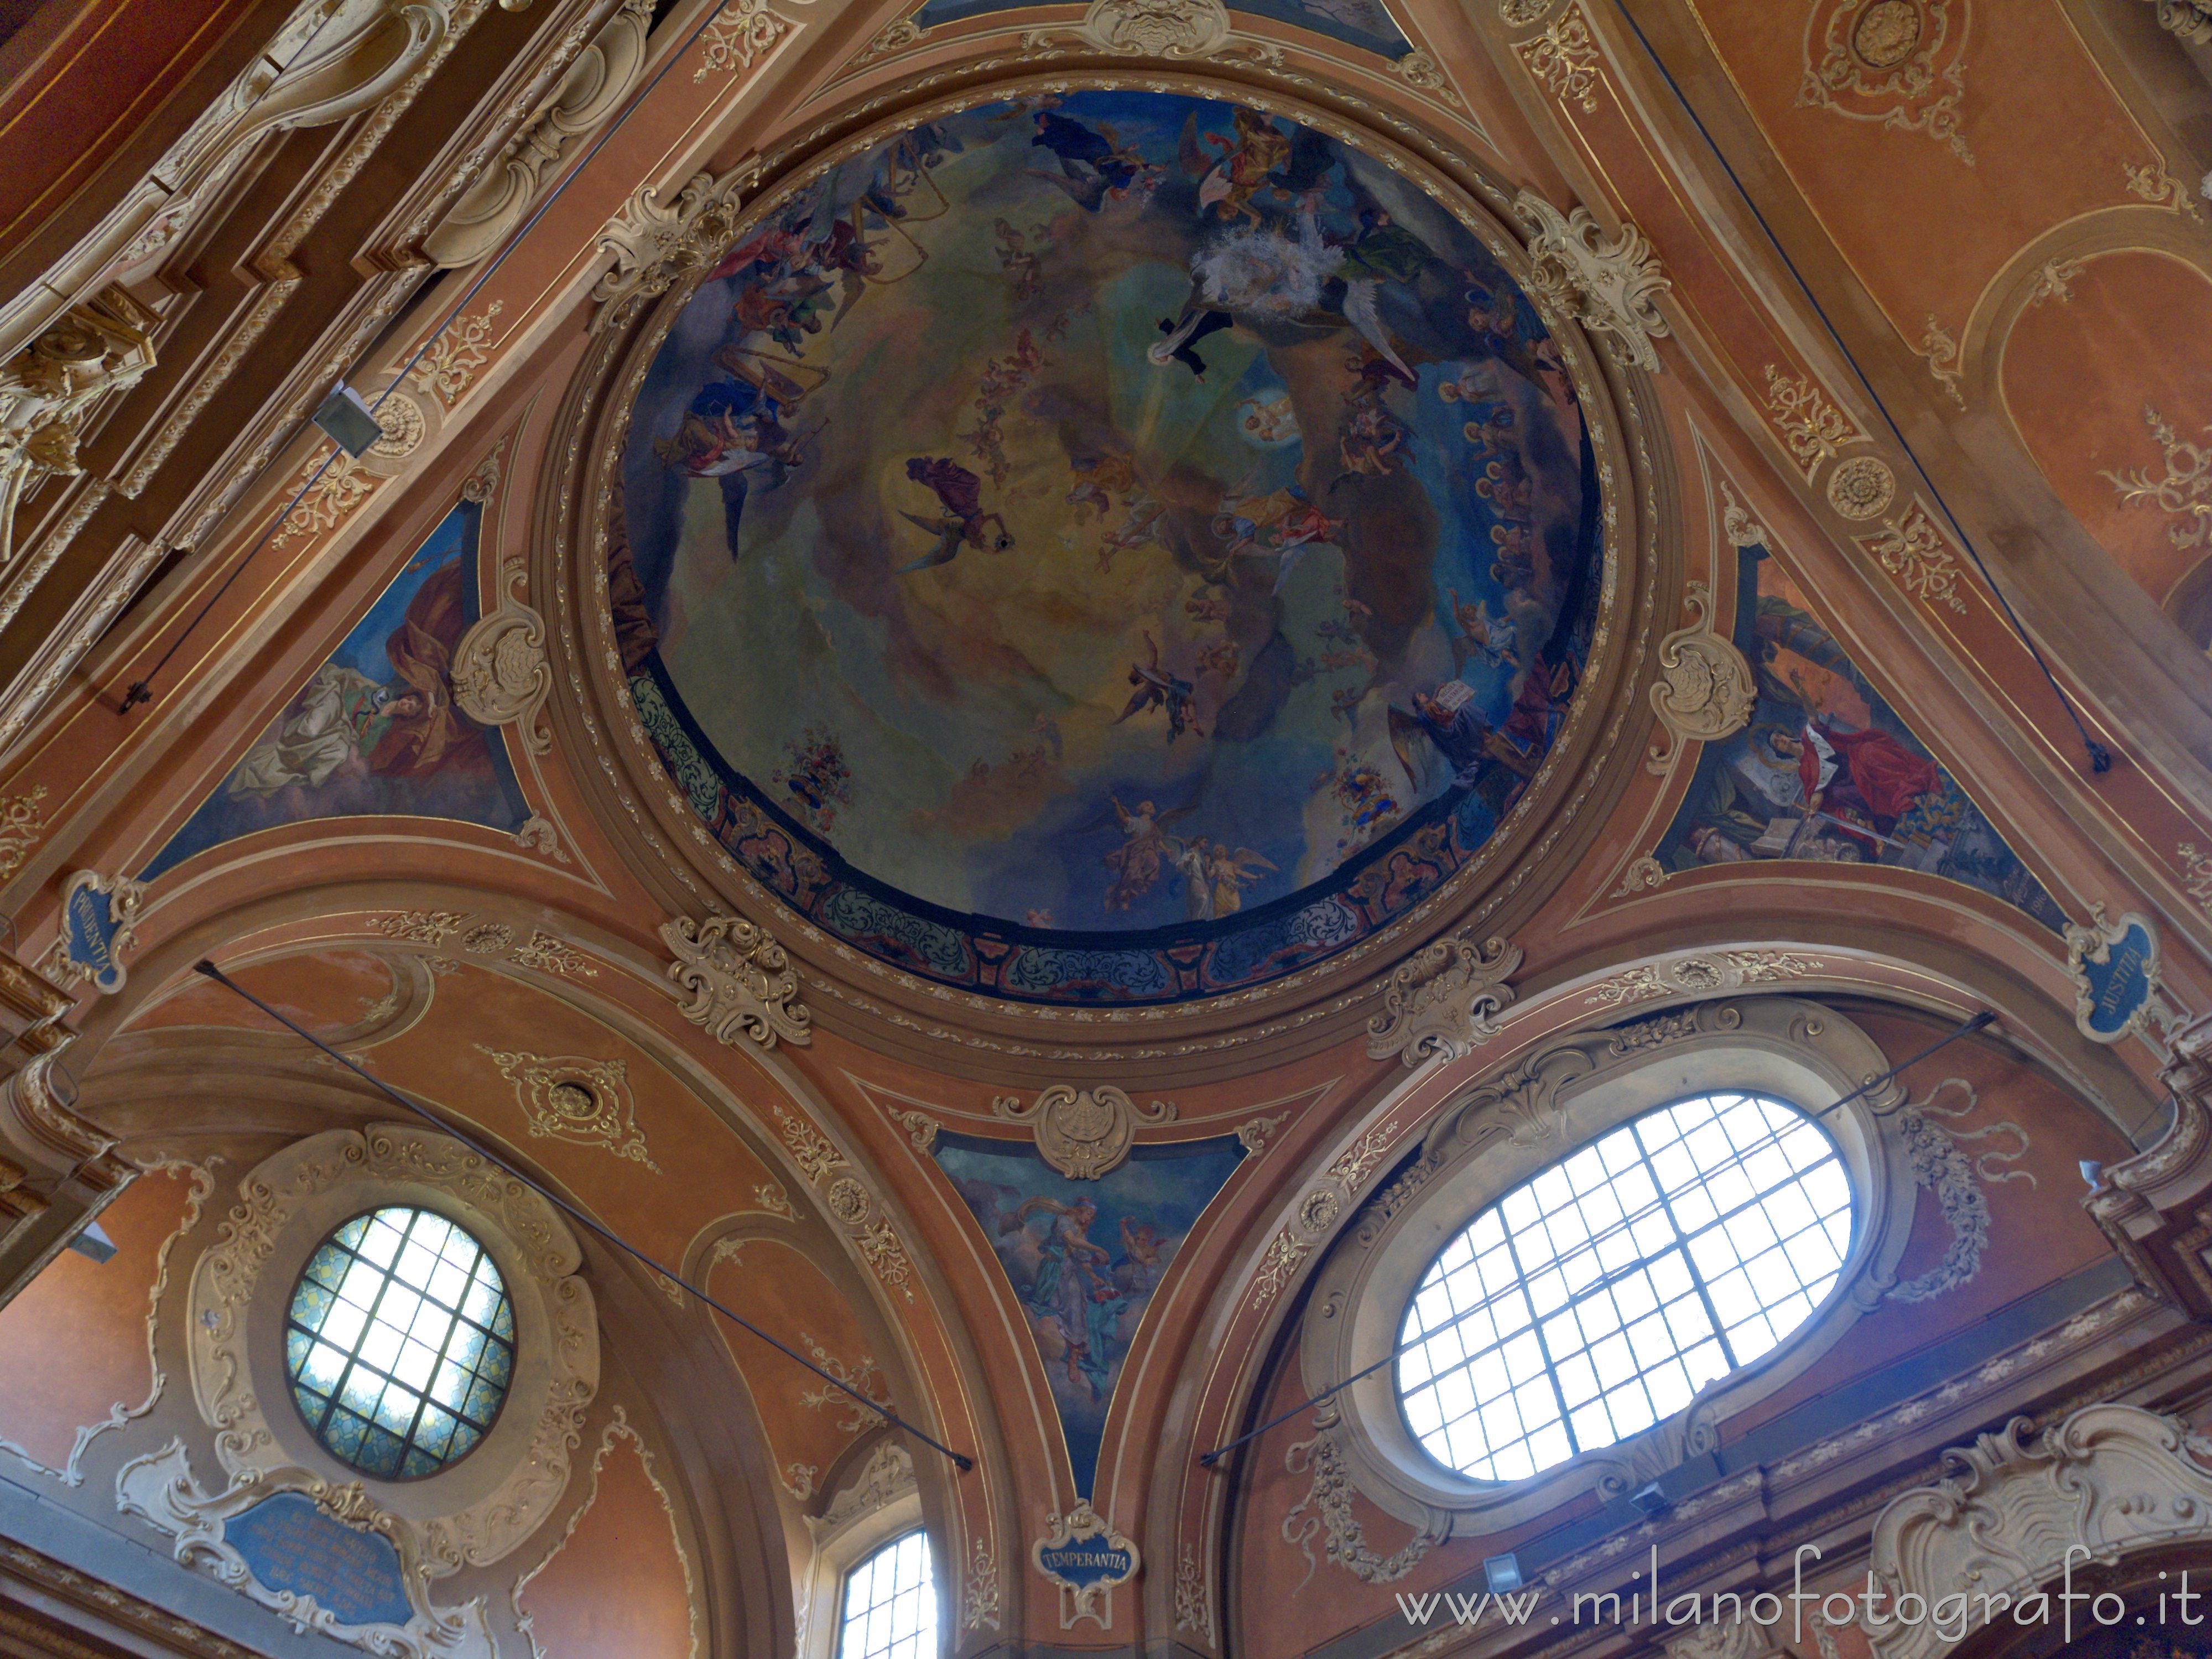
column 399, row 1343
column 1598, row 1296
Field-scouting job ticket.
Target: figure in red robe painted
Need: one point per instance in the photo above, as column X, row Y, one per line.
column 1868, row 773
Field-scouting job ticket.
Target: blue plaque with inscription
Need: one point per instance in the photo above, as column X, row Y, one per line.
column 2116, row 983
column 89, row 926
column 1087, row 1564
column 289, row 1544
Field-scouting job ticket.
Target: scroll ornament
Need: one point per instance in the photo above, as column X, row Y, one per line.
column 737, row 980
column 500, row 675
column 1705, row 690
column 1609, row 285
column 1443, row 1003
column 1083, row 1132
column 654, row 246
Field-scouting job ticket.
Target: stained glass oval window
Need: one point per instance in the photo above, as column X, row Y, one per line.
column 1598, row 1296
column 400, row 1343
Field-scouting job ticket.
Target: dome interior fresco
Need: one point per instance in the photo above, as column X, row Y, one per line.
column 1101, row 514
column 1016, row 700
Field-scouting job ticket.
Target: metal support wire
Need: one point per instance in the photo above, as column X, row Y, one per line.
column 1209, row 1459
column 960, row 1460
column 2101, row 758
column 141, row 691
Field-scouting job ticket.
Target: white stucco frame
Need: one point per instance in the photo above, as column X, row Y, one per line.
column 482, row 1507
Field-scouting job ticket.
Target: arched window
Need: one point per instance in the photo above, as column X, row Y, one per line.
column 399, row 1343
column 891, row 1603
column 1596, row 1297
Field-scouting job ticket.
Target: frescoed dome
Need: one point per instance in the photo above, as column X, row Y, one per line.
column 1108, row 545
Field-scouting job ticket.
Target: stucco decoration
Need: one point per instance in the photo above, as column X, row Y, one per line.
column 1083, row 1132
column 596, row 81
column 1327, row 550
column 654, row 246
column 1609, row 285
column 574, row 1098
column 1156, row 28
column 1897, row 62
column 1506, row 1129
column 1445, row 1002
column 1942, row 1165
column 481, row 1508
column 1705, row 690
column 736, row 980
column 160, row 1490
column 2106, row 1483
column 48, row 389
column 2156, row 1207
column 2189, row 20
column 1088, row 1559
column 500, row 673
column 887, row 1476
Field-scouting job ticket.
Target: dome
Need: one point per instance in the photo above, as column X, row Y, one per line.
column 1107, row 545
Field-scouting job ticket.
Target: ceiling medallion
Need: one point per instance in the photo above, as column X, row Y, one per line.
column 1226, row 613
column 1886, row 33
column 1861, row 488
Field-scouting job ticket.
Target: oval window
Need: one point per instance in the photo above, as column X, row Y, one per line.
column 399, row 1343
column 1599, row 1296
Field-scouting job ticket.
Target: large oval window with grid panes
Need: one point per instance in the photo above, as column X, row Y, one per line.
column 1596, row 1298
column 399, row 1343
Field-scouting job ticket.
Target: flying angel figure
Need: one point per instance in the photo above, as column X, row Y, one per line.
column 962, row 522
column 1233, row 870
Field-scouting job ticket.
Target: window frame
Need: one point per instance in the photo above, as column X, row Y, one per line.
column 484, row 1505
column 894, row 1535
column 1501, row 1131
column 874, row 1499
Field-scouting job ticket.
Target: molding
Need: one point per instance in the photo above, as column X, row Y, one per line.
column 618, row 1428
column 596, row 81
column 500, row 675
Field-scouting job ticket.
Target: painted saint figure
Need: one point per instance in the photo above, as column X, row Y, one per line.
column 1073, row 1292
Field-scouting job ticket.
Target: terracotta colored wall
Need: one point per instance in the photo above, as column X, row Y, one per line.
column 48, row 1388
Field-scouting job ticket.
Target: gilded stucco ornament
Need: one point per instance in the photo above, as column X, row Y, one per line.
column 2189, row 20
column 1705, row 690
column 654, row 246
column 570, row 1097
column 1610, row 285
column 50, row 387
column 1083, row 1132
column 1897, row 62
column 2014, row 1511
column 160, row 1490
column 737, row 980
column 1913, row 550
column 1443, row 1003
column 99, row 922
column 500, row 675
column 887, row 1476
column 2183, row 492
